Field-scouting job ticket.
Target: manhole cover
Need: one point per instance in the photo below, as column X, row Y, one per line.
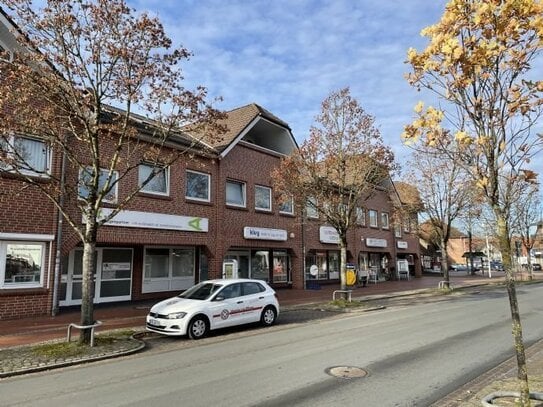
column 346, row 372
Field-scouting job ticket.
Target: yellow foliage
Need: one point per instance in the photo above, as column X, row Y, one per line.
column 482, row 183
column 462, row 137
column 419, row 106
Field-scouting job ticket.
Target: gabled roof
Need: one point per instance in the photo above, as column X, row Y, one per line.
column 240, row 120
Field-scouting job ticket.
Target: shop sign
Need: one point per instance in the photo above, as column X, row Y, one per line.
column 115, row 266
column 372, row 242
column 328, row 234
column 153, row 220
column 402, row 244
column 264, row 234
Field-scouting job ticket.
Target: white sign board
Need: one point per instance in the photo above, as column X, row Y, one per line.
column 115, row 266
column 402, row 244
column 328, row 234
column 372, row 242
column 264, row 234
column 153, row 220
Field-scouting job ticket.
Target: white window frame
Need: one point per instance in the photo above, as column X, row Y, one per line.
column 371, row 218
column 269, row 190
column 166, row 171
column 385, row 220
column 310, row 210
column 10, row 147
column 3, row 257
column 243, row 192
column 114, row 189
column 398, row 230
column 169, row 282
column 291, row 211
column 208, row 199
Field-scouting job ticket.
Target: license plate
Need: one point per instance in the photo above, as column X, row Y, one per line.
column 154, row 322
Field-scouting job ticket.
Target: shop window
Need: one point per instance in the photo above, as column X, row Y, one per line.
column 260, row 265
column 21, row 264
column 158, row 180
column 168, row 269
column 197, row 186
column 333, row 265
column 85, row 179
column 360, row 216
column 235, row 193
column 29, row 155
column 287, row 207
column 384, row 220
column 280, row 266
column 262, row 198
column 373, row 218
column 311, row 208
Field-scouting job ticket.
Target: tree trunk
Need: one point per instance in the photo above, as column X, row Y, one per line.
column 505, row 248
column 343, row 262
column 89, row 268
column 445, row 263
column 529, row 263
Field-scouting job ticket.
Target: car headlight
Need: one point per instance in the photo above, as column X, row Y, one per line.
column 177, row 315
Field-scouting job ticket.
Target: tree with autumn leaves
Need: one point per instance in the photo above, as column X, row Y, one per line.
column 81, row 71
column 478, row 62
column 338, row 167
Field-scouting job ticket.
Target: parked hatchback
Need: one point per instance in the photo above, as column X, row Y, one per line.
column 214, row 304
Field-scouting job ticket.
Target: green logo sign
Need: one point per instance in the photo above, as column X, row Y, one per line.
column 195, row 223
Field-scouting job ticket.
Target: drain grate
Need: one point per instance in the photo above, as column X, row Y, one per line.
column 346, row 372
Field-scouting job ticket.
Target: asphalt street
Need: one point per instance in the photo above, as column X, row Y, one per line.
column 413, row 356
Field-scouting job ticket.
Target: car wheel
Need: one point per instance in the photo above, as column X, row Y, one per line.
column 269, row 315
column 198, row 328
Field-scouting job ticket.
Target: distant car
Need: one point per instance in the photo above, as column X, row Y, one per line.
column 496, row 265
column 214, row 304
column 536, row 267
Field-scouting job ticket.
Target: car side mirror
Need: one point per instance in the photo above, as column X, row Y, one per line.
column 219, row 298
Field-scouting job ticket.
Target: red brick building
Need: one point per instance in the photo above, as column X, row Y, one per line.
column 207, row 213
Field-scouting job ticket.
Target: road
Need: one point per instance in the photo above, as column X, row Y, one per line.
column 415, row 352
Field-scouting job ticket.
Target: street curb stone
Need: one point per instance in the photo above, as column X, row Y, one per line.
column 20, row 366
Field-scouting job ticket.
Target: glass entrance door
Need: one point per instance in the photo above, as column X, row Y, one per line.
column 242, row 257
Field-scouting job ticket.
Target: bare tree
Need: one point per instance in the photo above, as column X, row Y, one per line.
column 76, row 61
column 445, row 191
column 526, row 213
column 478, row 63
column 338, row 167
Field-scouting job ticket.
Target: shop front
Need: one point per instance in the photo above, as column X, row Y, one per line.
column 112, row 279
column 376, row 259
column 270, row 264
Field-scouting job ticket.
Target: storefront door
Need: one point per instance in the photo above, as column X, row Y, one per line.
column 113, row 281
column 242, row 257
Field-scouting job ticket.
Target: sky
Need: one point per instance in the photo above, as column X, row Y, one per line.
column 288, row 55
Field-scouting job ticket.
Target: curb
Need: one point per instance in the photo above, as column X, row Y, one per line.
column 78, row 360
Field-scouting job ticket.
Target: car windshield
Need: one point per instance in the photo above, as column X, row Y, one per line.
column 201, row 291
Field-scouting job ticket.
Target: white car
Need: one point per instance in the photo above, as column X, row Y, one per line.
column 214, row 304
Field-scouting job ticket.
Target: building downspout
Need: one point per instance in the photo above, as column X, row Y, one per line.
column 304, row 277
column 56, row 278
